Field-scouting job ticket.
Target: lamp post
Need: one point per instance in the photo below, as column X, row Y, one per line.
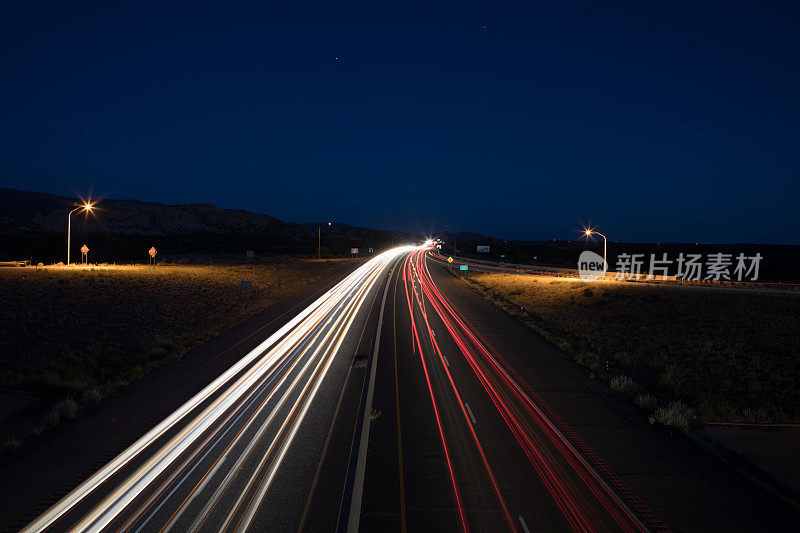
column 86, row 207
column 589, row 233
column 319, row 240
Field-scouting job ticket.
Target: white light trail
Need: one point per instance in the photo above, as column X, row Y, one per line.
column 312, row 338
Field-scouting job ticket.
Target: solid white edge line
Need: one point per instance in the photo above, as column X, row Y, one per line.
column 361, row 463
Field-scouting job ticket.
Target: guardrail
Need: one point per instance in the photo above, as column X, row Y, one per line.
column 15, row 263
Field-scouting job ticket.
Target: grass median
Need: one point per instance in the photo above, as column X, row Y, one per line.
column 680, row 352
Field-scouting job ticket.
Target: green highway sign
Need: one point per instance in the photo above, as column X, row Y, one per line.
column 463, row 267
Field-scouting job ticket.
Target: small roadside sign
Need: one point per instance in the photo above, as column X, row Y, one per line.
column 463, row 267
column 84, row 249
column 449, row 259
column 250, row 254
column 152, row 251
column 244, row 289
column 354, row 251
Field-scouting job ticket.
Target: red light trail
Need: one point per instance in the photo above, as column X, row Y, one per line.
column 585, row 490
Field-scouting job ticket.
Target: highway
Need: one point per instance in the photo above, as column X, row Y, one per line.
column 241, row 454
column 466, row 442
column 381, row 407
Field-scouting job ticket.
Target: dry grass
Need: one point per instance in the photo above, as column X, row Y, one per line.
column 84, row 331
column 730, row 355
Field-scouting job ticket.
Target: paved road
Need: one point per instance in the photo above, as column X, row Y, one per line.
column 481, row 424
column 383, row 407
column 245, row 452
column 462, row 442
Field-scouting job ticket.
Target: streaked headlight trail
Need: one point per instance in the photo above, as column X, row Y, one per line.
column 233, row 436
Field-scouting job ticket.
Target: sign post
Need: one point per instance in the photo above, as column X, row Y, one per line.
column 245, row 288
column 152, row 252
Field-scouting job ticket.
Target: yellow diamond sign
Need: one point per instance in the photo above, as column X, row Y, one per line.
column 449, row 259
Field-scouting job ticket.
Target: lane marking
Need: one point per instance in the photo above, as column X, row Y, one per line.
column 524, row 525
column 358, row 484
column 469, row 411
column 446, row 361
column 397, row 413
column 313, row 490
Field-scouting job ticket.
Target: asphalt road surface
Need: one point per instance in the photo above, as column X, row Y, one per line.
column 465, row 443
column 382, row 407
column 245, row 452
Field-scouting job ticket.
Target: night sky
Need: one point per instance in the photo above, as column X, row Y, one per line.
column 657, row 121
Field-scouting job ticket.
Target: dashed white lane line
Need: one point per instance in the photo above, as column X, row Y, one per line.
column 446, row 361
column 469, row 411
column 524, row 525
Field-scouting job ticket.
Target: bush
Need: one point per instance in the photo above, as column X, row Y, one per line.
column 53, row 418
column 646, row 401
column 625, row 385
column 675, row 416
column 9, row 445
column 66, row 408
column 91, row 396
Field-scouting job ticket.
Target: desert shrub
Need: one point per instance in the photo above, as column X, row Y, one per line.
column 9, row 445
column 646, row 401
column 625, row 385
column 674, row 416
column 53, row 418
column 66, row 408
column 91, row 396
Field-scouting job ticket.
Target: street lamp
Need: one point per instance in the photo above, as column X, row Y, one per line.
column 589, row 233
column 319, row 240
column 86, row 207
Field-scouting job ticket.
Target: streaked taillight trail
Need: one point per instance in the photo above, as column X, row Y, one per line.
column 587, row 493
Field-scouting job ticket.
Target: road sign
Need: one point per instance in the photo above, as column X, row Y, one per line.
column 484, row 249
column 84, row 249
column 244, row 289
column 449, row 259
column 463, row 267
column 250, row 254
column 152, row 251
column 354, row 251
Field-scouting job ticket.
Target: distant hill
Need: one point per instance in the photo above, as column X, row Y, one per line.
column 33, row 225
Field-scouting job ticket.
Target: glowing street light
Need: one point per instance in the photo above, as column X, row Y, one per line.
column 86, row 207
column 589, row 232
column 319, row 240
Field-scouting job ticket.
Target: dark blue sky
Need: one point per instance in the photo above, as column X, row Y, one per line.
column 657, row 120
